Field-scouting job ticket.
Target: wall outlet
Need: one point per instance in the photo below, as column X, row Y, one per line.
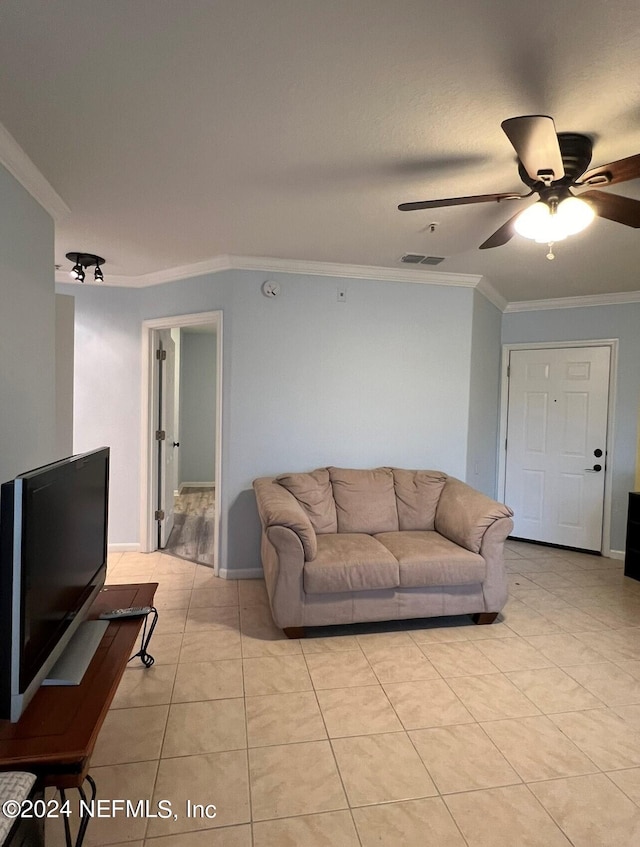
column 342, row 295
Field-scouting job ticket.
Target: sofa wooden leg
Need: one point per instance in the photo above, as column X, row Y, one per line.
column 294, row 632
column 484, row 617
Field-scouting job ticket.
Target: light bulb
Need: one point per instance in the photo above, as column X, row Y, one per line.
column 537, row 222
column 575, row 215
column 76, row 272
column 97, row 275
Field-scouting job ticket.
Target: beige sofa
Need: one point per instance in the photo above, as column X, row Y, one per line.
column 341, row 545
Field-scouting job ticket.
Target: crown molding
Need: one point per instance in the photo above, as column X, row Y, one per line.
column 289, row 266
column 20, row 166
column 612, row 299
column 485, row 288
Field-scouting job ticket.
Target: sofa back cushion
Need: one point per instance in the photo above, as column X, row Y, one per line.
column 417, row 495
column 314, row 493
column 365, row 500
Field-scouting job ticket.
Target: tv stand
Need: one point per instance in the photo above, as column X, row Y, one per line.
column 56, row 734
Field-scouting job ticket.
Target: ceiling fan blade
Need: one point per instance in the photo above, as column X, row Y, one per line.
column 613, row 207
column 620, row 171
column 535, row 141
column 502, row 235
column 459, row 201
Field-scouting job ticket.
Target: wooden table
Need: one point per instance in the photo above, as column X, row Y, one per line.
column 57, row 732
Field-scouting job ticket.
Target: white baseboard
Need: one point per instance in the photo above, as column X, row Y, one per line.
column 132, row 547
column 242, row 573
column 615, row 554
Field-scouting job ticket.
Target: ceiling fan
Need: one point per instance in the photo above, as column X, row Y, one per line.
column 551, row 164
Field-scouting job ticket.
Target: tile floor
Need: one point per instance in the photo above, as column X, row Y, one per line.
column 438, row 733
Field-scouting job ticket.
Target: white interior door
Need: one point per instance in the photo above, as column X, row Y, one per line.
column 166, row 435
column 556, row 443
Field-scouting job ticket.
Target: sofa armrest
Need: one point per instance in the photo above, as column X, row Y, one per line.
column 464, row 514
column 278, row 507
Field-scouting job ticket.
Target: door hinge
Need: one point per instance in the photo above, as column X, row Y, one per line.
column 160, row 435
column 505, row 445
column 508, row 371
column 159, row 514
column 161, row 355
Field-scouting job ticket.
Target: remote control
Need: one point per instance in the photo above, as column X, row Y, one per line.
column 131, row 612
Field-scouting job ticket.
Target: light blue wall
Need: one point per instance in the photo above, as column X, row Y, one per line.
column 197, row 406
column 598, row 322
column 27, row 332
column 484, row 392
column 381, row 379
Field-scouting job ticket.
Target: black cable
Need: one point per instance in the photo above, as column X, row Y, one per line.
column 146, row 658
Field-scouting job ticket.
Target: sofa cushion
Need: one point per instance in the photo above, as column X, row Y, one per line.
column 365, row 500
column 427, row 558
column 417, row 495
column 350, row 562
column 314, row 493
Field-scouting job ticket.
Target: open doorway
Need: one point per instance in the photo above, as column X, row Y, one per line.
column 182, row 414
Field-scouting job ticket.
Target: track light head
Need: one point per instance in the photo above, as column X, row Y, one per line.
column 85, row 260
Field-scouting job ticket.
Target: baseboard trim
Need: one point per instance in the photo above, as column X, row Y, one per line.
column 615, row 554
column 132, row 547
column 241, row 573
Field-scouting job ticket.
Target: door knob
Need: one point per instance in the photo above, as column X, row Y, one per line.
column 176, row 443
column 597, row 453
column 594, row 469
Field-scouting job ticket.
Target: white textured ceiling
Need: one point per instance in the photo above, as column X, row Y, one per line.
column 178, row 130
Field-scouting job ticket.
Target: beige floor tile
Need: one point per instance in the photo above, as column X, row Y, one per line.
column 543, row 601
column 458, row 659
column 513, row 654
column 275, row 675
column 172, row 598
column 518, row 583
column 123, row 782
column 165, row 649
column 142, row 686
column 629, row 782
column 357, row 711
column 252, row 592
column 173, row 566
column 491, row 697
column 504, row 817
column 564, row 649
column 402, row 664
column 170, row 621
column 608, row 682
column 207, row 726
column 228, row 836
column 537, row 749
column 294, row 779
column 225, row 593
column 378, row 642
column 591, row 810
column 530, row 622
column 219, row 680
column 209, row 618
column 606, row 738
column 205, row 577
column 553, row 690
column 130, row 735
column 261, row 637
column 440, row 634
column 284, row 719
column 550, row 580
column 462, row 758
column 412, row 823
column 330, row 644
column 426, row 703
column 631, row 714
column 339, row 670
column 210, row 645
column 481, row 632
column 381, row 769
column 576, row 621
column 322, row 830
column 176, row 581
column 218, row 779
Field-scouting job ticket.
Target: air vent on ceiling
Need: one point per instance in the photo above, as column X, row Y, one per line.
column 417, row 259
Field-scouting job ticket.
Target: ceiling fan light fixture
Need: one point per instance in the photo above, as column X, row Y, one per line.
column 575, row 214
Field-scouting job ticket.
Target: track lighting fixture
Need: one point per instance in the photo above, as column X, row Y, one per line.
column 85, row 260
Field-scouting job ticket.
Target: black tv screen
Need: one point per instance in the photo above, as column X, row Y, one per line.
column 53, row 557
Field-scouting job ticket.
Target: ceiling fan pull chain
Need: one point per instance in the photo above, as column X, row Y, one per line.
column 551, row 255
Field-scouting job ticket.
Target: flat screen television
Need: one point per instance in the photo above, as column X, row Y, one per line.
column 53, row 563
